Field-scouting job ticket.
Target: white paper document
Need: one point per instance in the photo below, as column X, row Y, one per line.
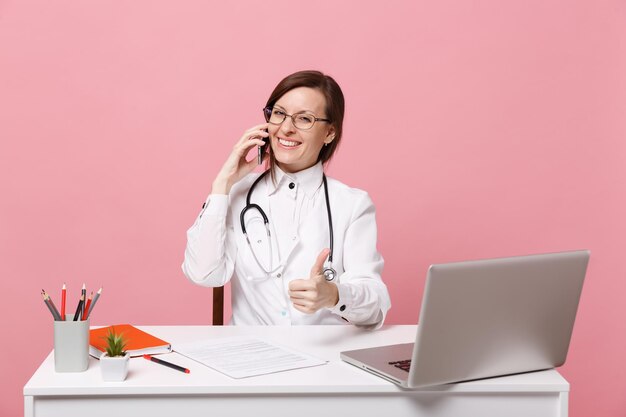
column 242, row 357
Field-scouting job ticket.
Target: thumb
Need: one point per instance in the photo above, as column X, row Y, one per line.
column 319, row 262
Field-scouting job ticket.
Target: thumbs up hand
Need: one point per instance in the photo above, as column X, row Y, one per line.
column 314, row 293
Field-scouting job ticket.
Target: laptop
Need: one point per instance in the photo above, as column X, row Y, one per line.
column 486, row 318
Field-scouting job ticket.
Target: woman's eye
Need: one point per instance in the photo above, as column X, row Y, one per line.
column 279, row 113
column 305, row 119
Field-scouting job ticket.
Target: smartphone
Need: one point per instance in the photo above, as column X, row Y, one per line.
column 262, row 150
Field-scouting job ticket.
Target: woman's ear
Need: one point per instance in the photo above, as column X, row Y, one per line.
column 330, row 135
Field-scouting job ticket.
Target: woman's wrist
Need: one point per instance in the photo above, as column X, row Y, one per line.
column 334, row 299
column 220, row 187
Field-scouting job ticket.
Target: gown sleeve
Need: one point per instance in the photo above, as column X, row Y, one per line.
column 363, row 296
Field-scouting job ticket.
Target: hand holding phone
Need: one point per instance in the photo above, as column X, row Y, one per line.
column 237, row 165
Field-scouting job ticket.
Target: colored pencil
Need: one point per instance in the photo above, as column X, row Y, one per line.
column 93, row 303
column 63, row 296
column 49, row 300
column 87, row 306
column 51, row 306
column 83, row 293
column 165, row 363
column 79, row 307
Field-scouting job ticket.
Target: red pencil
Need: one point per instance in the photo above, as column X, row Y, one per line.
column 63, row 295
column 87, row 306
column 93, row 303
column 165, row 363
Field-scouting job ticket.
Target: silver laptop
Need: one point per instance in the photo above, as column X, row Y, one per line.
column 486, row 318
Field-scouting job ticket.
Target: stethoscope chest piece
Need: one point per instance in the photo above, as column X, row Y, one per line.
column 330, row 274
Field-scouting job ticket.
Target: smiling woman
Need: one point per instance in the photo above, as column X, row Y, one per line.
column 326, row 104
column 297, row 145
column 312, row 259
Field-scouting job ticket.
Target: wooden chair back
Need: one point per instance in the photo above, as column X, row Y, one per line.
column 218, row 306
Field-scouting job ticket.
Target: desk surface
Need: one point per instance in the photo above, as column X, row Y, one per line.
column 324, row 342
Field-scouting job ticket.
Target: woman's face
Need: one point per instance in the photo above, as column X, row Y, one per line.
column 296, row 149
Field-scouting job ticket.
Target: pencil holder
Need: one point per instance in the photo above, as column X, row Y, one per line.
column 71, row 345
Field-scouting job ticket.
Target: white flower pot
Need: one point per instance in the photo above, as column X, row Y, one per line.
column 114, row 369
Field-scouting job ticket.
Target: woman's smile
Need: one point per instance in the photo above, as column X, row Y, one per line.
column 288, row 144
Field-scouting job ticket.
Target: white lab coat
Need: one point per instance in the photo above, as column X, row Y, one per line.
column 217, row 250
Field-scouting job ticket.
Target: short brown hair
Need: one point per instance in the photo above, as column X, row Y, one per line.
column 335, row 105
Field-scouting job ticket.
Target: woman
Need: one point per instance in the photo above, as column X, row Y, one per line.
column 283, row 270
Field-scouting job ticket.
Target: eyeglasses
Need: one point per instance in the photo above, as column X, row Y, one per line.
column 302, row 120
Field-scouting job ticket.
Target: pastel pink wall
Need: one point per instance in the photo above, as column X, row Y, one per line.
column 480, row 129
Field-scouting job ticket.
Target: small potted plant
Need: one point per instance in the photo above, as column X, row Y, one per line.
column 114, row 362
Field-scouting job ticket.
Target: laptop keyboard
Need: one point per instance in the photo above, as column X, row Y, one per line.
column 405, row 365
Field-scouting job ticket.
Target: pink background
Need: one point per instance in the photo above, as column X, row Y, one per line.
column 480, row 129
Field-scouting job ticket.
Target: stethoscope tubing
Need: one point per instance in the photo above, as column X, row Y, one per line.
column 330, row 219
column 329, row 273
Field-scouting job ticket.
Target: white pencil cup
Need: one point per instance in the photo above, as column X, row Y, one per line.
column 71, row 345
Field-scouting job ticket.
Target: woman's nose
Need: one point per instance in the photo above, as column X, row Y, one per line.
column 287, row 126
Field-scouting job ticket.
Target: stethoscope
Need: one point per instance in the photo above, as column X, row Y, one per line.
column 329, row 273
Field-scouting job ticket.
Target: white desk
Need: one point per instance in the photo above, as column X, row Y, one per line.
column 334, row 389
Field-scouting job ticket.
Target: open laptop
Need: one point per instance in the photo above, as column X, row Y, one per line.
column 486, row 318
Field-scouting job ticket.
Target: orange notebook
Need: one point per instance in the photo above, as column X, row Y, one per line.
column 138, row 342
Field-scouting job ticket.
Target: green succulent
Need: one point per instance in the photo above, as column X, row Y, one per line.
column 115, row 344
